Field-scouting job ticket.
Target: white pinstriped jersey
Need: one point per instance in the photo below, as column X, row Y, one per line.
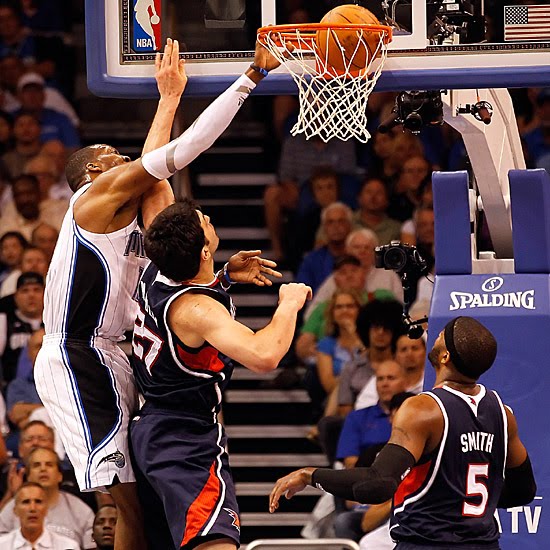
column 92, row 280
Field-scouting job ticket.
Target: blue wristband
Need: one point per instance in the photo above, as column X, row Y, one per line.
column 259, row 69
column 226, row 274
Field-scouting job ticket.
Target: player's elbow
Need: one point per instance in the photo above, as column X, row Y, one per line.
column 263, row 361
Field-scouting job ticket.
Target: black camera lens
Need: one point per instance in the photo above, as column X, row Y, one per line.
column 413, row 122
column 395, row 258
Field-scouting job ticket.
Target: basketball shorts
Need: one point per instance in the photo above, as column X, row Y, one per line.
column 185, row 462
column 91, row 397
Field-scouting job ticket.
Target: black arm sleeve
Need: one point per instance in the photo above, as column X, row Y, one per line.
column 372, row 485
column 520, row 487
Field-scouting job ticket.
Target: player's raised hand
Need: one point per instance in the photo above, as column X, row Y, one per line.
column 265, row 59
column 170, row 71
column 290, row 485
column 248, row 267
column 295, row 292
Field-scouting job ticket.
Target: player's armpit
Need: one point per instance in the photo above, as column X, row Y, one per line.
column 196, row 318
column 417, row 425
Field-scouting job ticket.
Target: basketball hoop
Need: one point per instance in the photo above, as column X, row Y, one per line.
column 334, row 80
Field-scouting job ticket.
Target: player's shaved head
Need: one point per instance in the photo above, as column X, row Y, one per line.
column 76, row 170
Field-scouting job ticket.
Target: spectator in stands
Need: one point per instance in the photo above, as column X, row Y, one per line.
column 425, row 235
column 54, row 125
column 15, row 39
column 57, row 152
column 44, row 169
column 27, row 211
column 12, row 245
column 383, row 145
column 104, row 527
column 33, row 259
column 336, row 348
column 379, row 283
column 43, row 16
column 407, row 193
column 378, row 325
column 411, row 355
column 44, row 237
column 408, row 229
column 364, row 433
column 21, row 396
column 26, row 132
column 318, row 264
column 34, row 434
column 66, row 514
column 372, row 211
column 406, row 146
column 537, row 141
column 299, row 157
column 348, row 274
column 6, row 136
column 17, row 326
column 30, row 509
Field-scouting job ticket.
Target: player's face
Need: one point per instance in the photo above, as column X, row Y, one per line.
column 30, row 507
column 108, row 157
column 437, row 349
column 104, row 526
column 209, row 232
column 43, row 469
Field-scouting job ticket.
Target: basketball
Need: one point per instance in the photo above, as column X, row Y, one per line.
column 338, row 47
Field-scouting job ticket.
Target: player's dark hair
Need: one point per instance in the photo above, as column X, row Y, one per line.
column 75, row 169
column 174, row 241
column 471, row 345
column 380, row 313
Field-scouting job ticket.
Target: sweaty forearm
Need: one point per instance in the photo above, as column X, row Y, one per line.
column 520, row 487
column 161, row 127
column 167, row 160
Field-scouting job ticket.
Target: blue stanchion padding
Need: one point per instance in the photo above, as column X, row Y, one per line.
column 516, row 308
column 530, row 204
column 452, row 223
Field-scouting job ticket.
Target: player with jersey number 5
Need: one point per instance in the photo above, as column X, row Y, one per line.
column 453, row 457
column 82, row 376
column 185, row 341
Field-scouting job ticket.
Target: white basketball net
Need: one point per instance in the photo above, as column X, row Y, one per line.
column 331, row 105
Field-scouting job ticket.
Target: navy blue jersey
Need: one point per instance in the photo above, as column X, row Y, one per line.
column 449, row 497
column 170, row 374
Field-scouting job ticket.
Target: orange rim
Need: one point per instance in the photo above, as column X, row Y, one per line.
column 307, row 32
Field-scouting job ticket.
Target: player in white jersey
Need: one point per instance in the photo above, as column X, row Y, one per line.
column 83, row 377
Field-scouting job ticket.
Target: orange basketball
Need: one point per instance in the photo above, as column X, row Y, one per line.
column 338, row 47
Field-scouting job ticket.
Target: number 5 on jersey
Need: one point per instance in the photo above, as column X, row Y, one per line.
column 476, row 487
column 146, row 345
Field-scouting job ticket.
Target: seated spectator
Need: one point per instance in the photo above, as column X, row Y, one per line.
column 66, row 514
column 44, row 236
column 406, row 195
column 372, row 212
column 318, row 264
column 54, row 125
column 337, row 348
column 45, row 171
column 425, row 235
column 6, row 136
column 348, row 275
column 299, row 157
column 12, row 245
column 408, row 229
column 21, row 396
column 27, row 211
column 43, row 16
column 103, row 532
column 411, row 355
column 33, row 259
column 56, row 151
column 15, row 39
column 27, row 144
column 537, row 141
column 406, row 146
column 30, row 510
column 16, row 326
column 379, row 283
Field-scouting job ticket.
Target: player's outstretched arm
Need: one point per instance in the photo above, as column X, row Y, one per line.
column 196, row 318
column 247, row 266
column 171, row 81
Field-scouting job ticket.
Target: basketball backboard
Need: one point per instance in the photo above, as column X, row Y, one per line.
column 437, row 44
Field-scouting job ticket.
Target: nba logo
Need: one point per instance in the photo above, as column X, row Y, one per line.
column 147, row 26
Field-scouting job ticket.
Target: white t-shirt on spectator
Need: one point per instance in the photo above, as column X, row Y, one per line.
column 47, row 541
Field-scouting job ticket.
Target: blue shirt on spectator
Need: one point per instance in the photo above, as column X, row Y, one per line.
column 362, row 429
column 56, row 125
column 315, row 267
column 340, row 356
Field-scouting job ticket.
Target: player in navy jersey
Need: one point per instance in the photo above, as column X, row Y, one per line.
column 83, row 377
column 454, row 455
column 185, row 341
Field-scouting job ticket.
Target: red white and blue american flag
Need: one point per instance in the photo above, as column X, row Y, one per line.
column 527, row 23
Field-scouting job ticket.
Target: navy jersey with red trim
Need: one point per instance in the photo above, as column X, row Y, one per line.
column 170, row 374
column 449, row 497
